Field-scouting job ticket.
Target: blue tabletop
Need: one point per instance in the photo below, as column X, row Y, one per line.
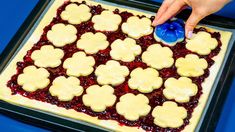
column 13, row 15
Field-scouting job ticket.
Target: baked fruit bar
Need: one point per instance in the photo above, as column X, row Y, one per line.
column 101, row 64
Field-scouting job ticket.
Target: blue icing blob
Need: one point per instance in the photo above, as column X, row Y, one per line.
column 170, row 32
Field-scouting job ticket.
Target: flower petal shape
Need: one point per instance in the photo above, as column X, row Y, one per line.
column 61, row 35
column 79, row 64
column 169, row 115
column 92, row 43
column 125, row 50
column 132, row 107
column 106, row 21
column 201, row 43
column 66, row 88
column 191, row 65
column 158, row 57
column 145, row 80
column 111, row 73
column 99, row 98
column 33, row 78
column 137, row 27
column 47, row 56
column 76, row 14
column 179, row 89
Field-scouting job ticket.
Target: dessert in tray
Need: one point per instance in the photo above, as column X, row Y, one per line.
column 104, row 65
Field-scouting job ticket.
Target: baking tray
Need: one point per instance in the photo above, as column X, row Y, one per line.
column 50, row 121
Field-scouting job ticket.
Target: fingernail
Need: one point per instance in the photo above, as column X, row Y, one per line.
column 154, row 23
column 190, row 34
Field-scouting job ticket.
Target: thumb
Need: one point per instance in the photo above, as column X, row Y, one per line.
column 191, row 23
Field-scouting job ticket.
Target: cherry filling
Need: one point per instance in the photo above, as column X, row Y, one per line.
column 156, row 97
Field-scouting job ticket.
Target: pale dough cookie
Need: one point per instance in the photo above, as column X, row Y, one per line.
column 191, row 66
column 145, row 80
column 169, row 115
column 75, row 14
column 66, row 88
column 201, row 43
column 106, row 21
column 179, row 89
column 137, row 27
column 158, row 57
column 111, row 73
column 125, row 50
column 92, row 43
column 33, row 78
column 47, row 56
column 61, row 34
column 132, row 107
column 99, row 98
column 79, row 64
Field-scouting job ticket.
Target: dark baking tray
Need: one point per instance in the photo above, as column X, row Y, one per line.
column 58, row 123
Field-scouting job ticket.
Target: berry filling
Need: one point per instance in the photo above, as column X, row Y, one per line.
column 156, row 97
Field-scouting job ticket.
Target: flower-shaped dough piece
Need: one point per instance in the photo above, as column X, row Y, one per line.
column 191, row 66
column 33, row 78
column 66, row 88
column 75, row 14
column 169, row 115
column 125, row 50
column 179, row 89
column 201, row 43
column 137, row 27
column 111, row 73
column 145, row 80
column 47, row 56
column 92, row 43
column 61, row 34
column 79, row 64
column 106, row 21
column 158, row 57
column 132, row 107
column 99, row 98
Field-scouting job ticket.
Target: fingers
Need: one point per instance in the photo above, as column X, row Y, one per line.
column 162, row 9
column 169, row 12
column 191, row 23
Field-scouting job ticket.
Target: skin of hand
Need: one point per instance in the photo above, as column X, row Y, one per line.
column 200, row 9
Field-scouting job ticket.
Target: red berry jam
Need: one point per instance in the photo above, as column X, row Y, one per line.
column 156, row 97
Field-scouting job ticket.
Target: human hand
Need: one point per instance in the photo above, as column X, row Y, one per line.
column 200, row 9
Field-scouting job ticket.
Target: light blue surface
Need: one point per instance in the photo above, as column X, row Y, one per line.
column 12, row 16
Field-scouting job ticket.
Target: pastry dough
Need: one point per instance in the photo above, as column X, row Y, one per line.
column 158, row 57
column 125, row 50
column 99, row 98
column 17, row 99
column 169, row 115
column 66, row 88
column 92, row 43
column 201, row 43
column 75, row 14
column 137, row 27
column 132, row 107
column 179, row 89
column 33, row 78
column 111, row 73
column 191, row 66
column 79, row 64
column 106, row 21
column 47, row 56
column 61, row 34
column 145, row 80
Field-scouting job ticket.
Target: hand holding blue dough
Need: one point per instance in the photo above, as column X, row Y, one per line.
column 170, row 32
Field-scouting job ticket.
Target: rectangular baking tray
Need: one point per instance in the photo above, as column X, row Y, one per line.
column 51, row 121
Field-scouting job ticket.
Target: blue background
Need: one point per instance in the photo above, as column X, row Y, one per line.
column 13, row 15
